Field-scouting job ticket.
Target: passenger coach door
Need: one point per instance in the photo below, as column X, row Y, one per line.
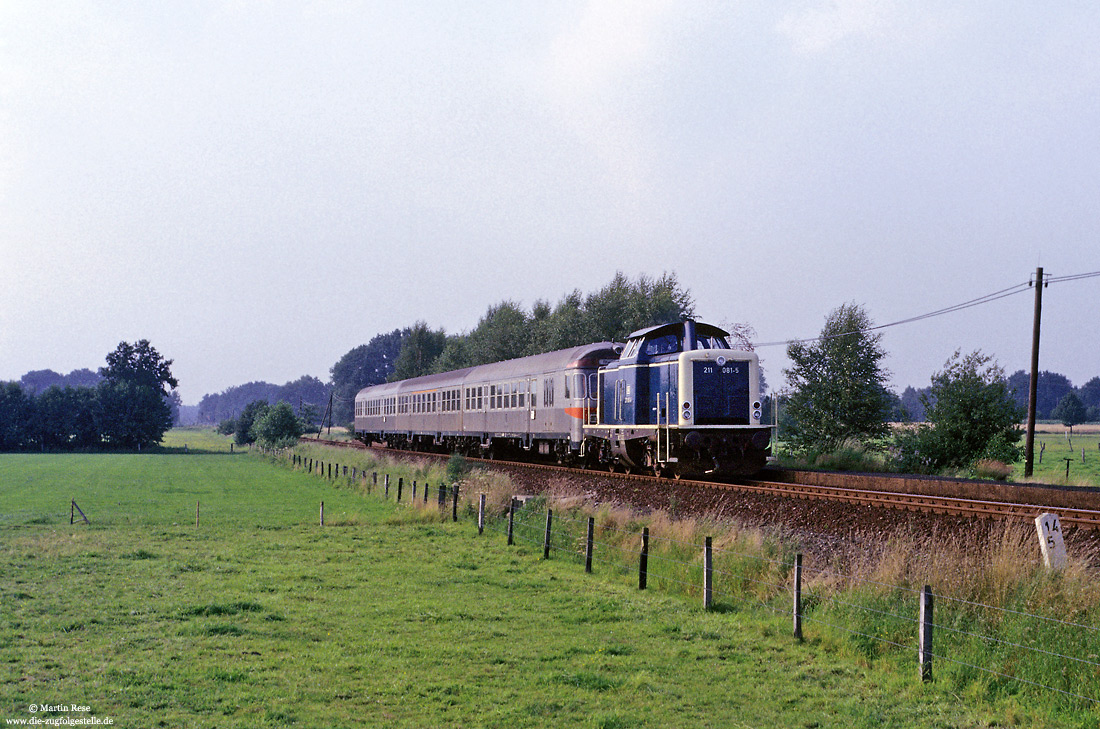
column 532, row 405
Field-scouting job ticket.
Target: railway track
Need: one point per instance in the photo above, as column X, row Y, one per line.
column 966, row 507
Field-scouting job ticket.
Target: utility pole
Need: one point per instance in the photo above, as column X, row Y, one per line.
column 1033, row 385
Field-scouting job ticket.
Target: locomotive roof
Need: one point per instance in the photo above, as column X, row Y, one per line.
column 677, row 327
column 583, row 356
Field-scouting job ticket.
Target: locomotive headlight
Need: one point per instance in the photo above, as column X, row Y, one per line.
column 721, row 361
column 687, row 405
column 687, row 415
column 756, row 405
column 756, row 414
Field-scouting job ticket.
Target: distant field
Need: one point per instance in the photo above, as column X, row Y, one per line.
column 258, row 617
column 1052, row 469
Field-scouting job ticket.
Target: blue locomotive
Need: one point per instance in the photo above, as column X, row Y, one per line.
column 675, row 399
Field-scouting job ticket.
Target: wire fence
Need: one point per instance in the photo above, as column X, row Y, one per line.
column 1029, row 650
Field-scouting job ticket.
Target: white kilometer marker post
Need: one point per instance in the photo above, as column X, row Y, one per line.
column 1050, row 541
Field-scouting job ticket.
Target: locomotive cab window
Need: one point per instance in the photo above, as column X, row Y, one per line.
column 667, row 344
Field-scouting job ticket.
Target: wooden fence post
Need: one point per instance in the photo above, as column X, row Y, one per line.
column 546, row 537
column 588, row 545
column 511, row 520
column 322, row 513
column 425, row 492
column 400, row 486
column 387, row 485
column 414, row 490
column 708, row 574
column 924, row 637
column 481, row 514
column 454, row 503
column 79, row 510
column 643, row 561
column 798, row 596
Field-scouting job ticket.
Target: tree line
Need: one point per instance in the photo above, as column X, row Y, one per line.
column 505, row 331
column 129, row 405
column 1055, row 398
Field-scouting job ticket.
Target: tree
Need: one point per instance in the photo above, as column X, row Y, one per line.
column 623, row 307
column 277, row 427
column 1090, row 393
column 139, row 364
column 368, row 364
column 972, row 415
column 38, row 381
column 838, row 384
column 251, row 413
column 1070, row 411
column 128, row 415
column 502, row 334
column 911, row 405
column 1050, row 388
column 16, row 417
column 419, row 350
column 134, row 408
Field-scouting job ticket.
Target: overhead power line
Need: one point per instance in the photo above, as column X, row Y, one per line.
column 988, row 298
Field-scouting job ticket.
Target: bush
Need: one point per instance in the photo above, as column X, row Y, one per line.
column 457, row 468
column 971, row 415
column 277, row 427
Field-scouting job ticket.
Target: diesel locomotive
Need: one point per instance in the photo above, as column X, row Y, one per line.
column 675, row 399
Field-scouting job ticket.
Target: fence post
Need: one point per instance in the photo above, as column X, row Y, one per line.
column 643, row 561
column 400, row 486
column 588, row 545
column 425, row 492
column 310, row 465
column 414, row 490
column 454, row 503
column 322, row 513
column 546, row 537
column 511, row 520
column 798, row 596
column 481, row 514
column 708, row 574
column 330, row 471
column 925, row 634
column 387, row 485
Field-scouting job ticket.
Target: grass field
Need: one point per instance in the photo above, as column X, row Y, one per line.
column 258, row 617
column 1061, row 445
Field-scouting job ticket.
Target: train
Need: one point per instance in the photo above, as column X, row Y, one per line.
column 674, row 400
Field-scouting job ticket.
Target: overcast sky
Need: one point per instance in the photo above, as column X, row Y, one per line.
column 258, row 187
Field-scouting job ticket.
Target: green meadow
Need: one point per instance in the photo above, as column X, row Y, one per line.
column 387, row 616
column 1058, row 447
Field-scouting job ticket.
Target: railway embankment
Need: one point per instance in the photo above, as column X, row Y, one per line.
column 1074, row 497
